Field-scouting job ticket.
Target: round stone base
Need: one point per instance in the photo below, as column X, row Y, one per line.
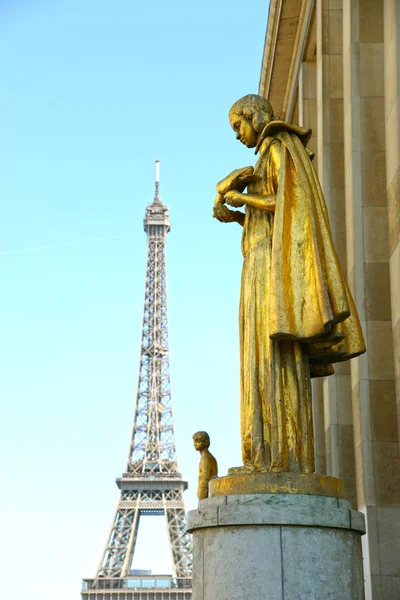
column 276, row 547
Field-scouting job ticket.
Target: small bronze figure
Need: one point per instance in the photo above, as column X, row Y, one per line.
column 208, row 467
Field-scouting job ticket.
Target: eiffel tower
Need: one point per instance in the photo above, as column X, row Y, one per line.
column 152, row 484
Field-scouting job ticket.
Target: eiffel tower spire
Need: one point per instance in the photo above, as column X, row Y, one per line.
column 152, row 484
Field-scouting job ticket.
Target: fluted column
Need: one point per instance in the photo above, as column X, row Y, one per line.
column 368, row 254
column 338, row 417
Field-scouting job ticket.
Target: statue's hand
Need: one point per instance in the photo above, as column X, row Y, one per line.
column 223, row 214
column 235, row 199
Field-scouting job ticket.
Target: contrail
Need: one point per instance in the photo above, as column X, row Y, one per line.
column 49, row 246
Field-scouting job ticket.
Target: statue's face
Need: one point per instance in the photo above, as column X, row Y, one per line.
column 199, row 443
column 244, row 130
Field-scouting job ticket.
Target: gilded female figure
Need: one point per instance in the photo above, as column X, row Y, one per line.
column 296, row 316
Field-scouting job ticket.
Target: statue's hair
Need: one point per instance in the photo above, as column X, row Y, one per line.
column 202, row 436
column 256, row 108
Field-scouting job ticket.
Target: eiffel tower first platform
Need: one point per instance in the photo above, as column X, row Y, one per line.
column 152, row 484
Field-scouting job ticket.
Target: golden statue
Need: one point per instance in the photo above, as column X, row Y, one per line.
column 297, row 315
column 208, row 467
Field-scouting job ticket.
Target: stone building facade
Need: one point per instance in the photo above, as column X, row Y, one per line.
column 334, row 66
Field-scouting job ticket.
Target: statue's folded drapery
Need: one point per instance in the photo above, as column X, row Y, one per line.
column 296, row 315
column 310, row 299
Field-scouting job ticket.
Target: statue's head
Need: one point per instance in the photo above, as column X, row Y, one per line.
column 248, row 117
column 201, row 440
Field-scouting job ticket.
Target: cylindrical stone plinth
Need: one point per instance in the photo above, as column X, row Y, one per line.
column 276, row 547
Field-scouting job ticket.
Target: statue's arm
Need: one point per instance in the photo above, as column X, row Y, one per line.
column 266, row 203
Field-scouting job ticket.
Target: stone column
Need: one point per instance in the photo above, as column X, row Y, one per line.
column 372, row 375
column 338, row 418
column 392, row 130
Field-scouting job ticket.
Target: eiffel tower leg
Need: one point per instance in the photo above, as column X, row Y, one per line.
column 180, row 541
column 130, row 548
column 122, row 538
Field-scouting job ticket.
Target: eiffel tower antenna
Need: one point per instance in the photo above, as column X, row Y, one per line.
column 152, row 484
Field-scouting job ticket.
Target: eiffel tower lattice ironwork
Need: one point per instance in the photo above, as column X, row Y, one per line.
column 152, row 484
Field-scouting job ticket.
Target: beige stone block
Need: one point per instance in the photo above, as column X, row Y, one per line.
column 325, row 31
column 328, row 461
column 303, row 111
column 338, row 211
column 347, row 464
column 351, row 19
column 336, row 119
column 335, row 76
column 390, row 76
column 371, row 543
column 358, row 460
column 343, row 392
column 372, row 117
column 394, row 266
column 393, row 197
column 354, row 209
column 330, row 402
column 376, row 244
column 380, row 349
column 335, row 31
column 387, row 473
column 374, row 178
column 377, row 291
column 342, row 368
column 356, row 121
column 311, row 81
column 339, row 239
column 371, row 70
column 389, row 21
column 369, row 473
column 337, row 165
column 332, row 441
column 326, row 60
column 371, row 20
column 383, row 411
column 396, row 347
column 346, row 6
column 366, row 425
column 312, row 115
column 392, row 143
column 335, row 4
column 295, row 112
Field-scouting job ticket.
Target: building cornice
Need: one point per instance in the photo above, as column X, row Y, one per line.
column 286, row 41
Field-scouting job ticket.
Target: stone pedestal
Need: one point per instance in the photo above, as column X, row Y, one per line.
column 276, row 547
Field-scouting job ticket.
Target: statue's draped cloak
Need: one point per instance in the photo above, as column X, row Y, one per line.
column 309, row 297
column 296, row 313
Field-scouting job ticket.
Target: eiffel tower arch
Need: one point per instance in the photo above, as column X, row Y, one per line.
column 152, row 484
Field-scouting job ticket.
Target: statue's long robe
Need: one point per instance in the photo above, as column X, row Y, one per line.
column 297, row 315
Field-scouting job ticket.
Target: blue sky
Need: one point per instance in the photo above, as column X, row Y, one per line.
column 92, row 93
